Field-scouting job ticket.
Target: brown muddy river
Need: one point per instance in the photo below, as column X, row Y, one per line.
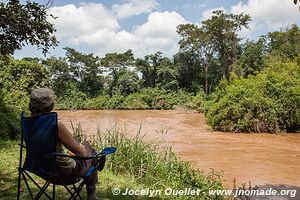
column 259, row 158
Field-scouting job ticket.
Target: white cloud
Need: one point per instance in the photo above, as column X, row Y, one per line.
column 209, row 13
column 133, row 7
column 269, row 14
column 159, row 32
column 94, row 26
column 194, row 6
column 87, row 18
column 266, row 15
column 160, row 24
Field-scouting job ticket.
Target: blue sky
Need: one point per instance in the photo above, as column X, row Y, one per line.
column 148, row 26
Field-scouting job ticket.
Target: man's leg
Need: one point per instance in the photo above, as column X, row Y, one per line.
column 92, row 180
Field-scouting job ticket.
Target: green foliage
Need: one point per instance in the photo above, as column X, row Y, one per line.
column 76, row 70
column 286, row 42
column 86, row 70
column 268, row 102
column 96, row 103
column 161, row 99
column 9, row 121
column 148, row 67
column 62, row 78
column 148, row 98
column 135, row 101
column 223, row 29
column 189, row 71
column 127, row 83
column 197, row 102
column 167, row 74
column 115, row 102
column 72, row 99
column 207, row 51
column 25, row 24
column 17, row 79
column 252, row 58
column 117, row 65
column 158, row 71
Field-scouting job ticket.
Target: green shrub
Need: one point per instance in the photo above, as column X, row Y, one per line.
column 73, row 99
column 10, row 125
column 151, row 96
column 114, row 102
column 268, row 102
column 134, row 102
column 17, row 79
column 196, row 102
column 147, row 98
column 96, row 103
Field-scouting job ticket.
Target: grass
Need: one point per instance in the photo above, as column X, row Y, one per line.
column 135, row 165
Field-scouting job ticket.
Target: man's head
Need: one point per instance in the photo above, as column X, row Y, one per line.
column 41, row 101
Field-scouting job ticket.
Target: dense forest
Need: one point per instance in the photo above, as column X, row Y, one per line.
column 241, row 85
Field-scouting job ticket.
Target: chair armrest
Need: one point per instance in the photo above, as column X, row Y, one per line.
column 74, row 157
column 103, row 153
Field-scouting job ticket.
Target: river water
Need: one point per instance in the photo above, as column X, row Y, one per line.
column 259, row 158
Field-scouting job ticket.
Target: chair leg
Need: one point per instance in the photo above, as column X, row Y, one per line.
column 37, row 185
column 19, row 184
column 68, row 189
column 42, row 191
column 53, row 191
column 77, row 191
column 27, row 185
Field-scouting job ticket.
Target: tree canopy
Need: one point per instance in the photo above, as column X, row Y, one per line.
column 215, row 42
column 25, row 24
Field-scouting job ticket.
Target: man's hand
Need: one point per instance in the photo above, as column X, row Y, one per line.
column 83, row 151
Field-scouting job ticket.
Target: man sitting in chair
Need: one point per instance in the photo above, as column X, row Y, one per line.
column 41, row 102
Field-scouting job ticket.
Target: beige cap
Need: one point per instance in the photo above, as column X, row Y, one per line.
column 41, row 98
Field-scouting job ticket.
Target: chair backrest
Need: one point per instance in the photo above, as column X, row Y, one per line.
column 40, row 136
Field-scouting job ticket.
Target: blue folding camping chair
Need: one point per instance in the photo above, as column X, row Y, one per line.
column 40, row 134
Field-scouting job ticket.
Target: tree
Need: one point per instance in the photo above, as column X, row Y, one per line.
column 25, row 24
column 18, row 78
column 167, row 75
column 158, row 71
column 86, row 69
column 252, row 58
column 286, row 42
column 61, row 76
column 213, row 48
column 200, row 43
column 127, row 82
column 115, row 64
column 189, row 71
column 223, row 29
column 148, row 67
column 295, row 2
